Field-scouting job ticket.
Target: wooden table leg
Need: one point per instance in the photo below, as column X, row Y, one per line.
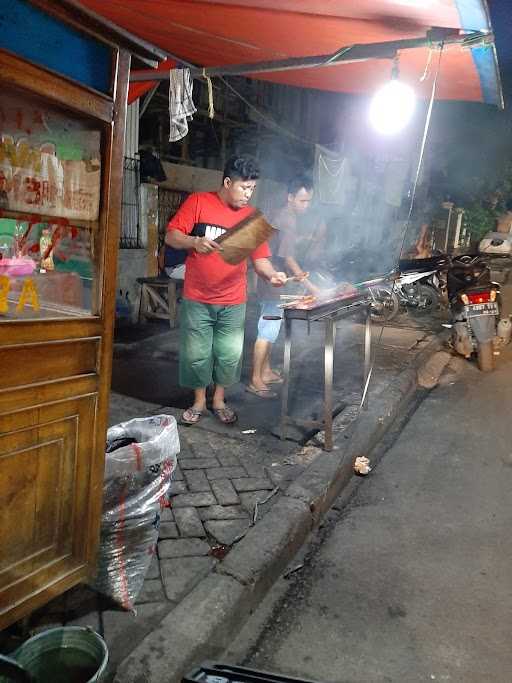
column 144, row 304
column 172, row 302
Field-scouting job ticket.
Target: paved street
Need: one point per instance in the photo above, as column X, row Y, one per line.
column 412, row 581
column 223, row 474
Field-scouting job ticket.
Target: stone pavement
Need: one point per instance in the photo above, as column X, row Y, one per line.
column 222, row 485
column 225, row 485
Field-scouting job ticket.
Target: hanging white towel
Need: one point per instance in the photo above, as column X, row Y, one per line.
column 181, row 104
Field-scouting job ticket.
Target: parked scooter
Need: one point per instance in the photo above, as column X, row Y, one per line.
column 421, row 283
column 474, row 304
column 419, row 286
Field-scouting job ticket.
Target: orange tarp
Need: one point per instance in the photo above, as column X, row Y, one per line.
column 211, row 33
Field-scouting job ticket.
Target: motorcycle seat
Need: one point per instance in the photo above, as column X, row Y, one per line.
column 423, row 264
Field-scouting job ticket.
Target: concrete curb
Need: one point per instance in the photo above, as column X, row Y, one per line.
column 201, row 626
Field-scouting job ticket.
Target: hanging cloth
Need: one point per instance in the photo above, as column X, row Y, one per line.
column 181, row 104
column 334, row 182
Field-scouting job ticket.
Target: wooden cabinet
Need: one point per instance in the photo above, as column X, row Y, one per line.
column 48, row 498
column 55, row 360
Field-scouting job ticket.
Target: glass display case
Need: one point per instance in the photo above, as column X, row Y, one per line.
column 50, row 182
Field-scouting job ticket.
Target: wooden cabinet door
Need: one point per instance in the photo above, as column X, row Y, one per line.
column 47, row 499
column 56, row 356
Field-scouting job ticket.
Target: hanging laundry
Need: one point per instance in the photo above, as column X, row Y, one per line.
column 181, row 104
column 334, row 180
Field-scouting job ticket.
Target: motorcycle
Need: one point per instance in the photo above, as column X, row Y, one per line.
column 474, row 304
column 419, row 286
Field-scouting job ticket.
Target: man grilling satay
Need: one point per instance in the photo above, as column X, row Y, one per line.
column 212, row 314
column 300, row 194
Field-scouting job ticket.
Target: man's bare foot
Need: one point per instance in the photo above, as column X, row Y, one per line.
column 258, row 384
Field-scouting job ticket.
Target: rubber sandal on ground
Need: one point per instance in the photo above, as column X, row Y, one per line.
column 260, row 393
column 225, row 415
column 191, row 416
column 277, row 380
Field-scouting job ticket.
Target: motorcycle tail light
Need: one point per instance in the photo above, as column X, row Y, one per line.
column 480, row 297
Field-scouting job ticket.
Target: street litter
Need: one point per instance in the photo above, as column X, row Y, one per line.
column 362, row 466
column 293, row 570
column 219, row 551
column 249, row 431
column 262, row 502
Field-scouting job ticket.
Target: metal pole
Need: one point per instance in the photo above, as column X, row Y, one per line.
column 286, row 374
column 347, row 54
column 367, row 356
column 460, row 214
column 330, row 339
column 448, row 228
column 147, row 100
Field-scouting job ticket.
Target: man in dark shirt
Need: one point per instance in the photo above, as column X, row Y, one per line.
column 283, row 245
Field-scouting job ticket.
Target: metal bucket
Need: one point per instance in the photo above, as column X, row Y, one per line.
column 59, row 655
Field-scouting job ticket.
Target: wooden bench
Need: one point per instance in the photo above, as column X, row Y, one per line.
column 159, row 299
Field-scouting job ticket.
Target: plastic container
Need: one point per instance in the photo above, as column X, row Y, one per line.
column 17, row 266
column 209, row 672
column 45, row 244
column 505, row 330
column 59, row 655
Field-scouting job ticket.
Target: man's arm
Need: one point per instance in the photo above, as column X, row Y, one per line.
column 294, row 267
column 265, row 269
column 178, row 240
column 180, row 227
column 286, row 249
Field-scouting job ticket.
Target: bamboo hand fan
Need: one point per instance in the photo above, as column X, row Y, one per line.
column 239, row 242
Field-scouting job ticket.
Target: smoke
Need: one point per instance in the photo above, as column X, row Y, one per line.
column 355, row 227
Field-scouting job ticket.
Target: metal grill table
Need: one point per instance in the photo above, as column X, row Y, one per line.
column 328, row 314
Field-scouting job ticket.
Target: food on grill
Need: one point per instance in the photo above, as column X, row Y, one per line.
column 338, row 293
column 300, row 302
column 298, row 278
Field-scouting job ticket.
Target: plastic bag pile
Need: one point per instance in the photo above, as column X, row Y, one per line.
column 140, row 461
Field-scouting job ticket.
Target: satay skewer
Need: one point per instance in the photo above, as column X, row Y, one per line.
column 297, row 278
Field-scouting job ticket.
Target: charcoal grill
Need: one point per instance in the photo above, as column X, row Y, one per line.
column 328, row 313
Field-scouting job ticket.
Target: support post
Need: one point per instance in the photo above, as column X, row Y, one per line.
column 367, row 357
column 286, row 374
column 330, row 340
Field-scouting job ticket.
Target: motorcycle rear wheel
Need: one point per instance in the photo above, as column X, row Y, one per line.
column 427, row 300
column 485, row 356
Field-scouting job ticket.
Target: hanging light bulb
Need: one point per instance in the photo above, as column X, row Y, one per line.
column 393, row 105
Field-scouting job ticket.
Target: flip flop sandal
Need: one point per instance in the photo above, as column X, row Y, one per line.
column 193, row 418
column 225, row 415
column 278, row 380
column 261, row 393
